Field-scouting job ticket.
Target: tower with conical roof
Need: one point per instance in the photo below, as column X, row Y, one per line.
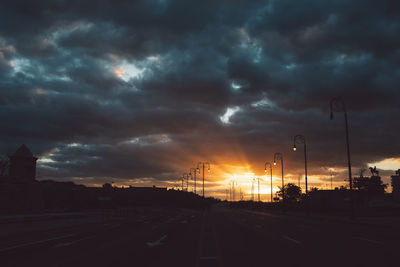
column 23, row 165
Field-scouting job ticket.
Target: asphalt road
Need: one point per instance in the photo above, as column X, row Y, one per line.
column 179, row 237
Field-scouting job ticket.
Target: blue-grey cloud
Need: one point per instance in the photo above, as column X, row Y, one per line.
column 135, row 89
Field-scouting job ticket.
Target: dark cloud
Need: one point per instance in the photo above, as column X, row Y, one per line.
column 138, row 89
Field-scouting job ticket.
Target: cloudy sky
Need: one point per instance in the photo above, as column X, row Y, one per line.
column 137, row 92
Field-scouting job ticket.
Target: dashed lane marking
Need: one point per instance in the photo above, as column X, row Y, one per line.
column 157, row 242
column 73, row 242
column 36, row 242
column 291, row 239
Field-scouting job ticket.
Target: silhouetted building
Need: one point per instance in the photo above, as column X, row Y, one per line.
column 23, row 165
column 396, row 186
column 329, row 199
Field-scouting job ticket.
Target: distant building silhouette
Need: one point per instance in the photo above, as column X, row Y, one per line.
column 329, row 199
column 396, row 185
column 22, row 166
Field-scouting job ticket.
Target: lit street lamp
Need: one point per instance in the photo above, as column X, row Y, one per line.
column 270, row 169
column 203, row 164
column 279, row 156
column 338, row 105
column 300, row 139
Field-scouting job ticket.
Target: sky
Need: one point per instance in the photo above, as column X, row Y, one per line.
column 138, row 92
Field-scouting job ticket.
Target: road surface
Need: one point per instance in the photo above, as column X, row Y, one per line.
column 181, row 237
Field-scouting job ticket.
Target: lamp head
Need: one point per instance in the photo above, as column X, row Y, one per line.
column 208, row 169
column 274, row 162
column 265, row 170
column 294, row 148
column 198, row 169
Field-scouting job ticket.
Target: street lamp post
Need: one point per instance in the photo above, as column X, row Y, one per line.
column 191, row 178
column 194, row 170
column 279, row 156
column 252, row 189
column 338, row 105
column 183, row 179
column 203, row 164
column 185, row 176
column 232, row 190
column 270, row 169
column 300, row 139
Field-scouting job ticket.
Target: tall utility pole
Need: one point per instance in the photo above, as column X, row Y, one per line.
column 185, row 176
column 230, row 191
column 279, row 156
column 300, row 139
column 258, row 179
column 187, row 182
column 300, row 175
column 194, row 170
column 270, row 169
column 252, row 189
column 233, row 192
column 203, row 164
column 338, row 105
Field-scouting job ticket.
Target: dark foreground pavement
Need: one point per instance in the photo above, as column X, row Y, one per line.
column 179, row 237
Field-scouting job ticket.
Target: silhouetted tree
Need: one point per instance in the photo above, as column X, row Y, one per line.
column 292, row 192
column 361, row 183
column 314, row 189
column 372, row 186
column 376, row 187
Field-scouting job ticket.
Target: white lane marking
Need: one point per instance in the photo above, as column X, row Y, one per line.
column 369, row 240
column 157, row 242
column 73, row 242
column 36, row 242
column 208, row 258
column 291, row 239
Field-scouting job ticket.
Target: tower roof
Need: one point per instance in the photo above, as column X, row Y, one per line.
column 23, row 151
